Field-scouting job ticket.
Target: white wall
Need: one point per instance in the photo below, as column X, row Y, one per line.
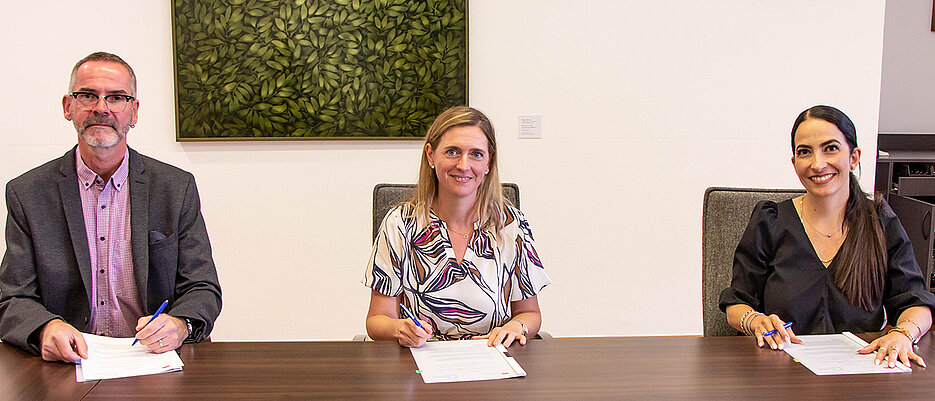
column 644, row 105
column 908, row 85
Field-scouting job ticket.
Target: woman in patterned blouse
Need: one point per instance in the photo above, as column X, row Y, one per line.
column 457, row 254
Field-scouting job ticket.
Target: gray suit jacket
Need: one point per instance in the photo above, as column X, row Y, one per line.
column 46, row 270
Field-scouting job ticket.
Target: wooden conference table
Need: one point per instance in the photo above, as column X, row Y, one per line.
column 581, row 368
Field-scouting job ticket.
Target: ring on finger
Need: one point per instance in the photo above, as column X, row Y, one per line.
column 894, row 348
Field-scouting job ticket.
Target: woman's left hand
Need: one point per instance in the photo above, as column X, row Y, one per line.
column 506, row 334
column 893, row 346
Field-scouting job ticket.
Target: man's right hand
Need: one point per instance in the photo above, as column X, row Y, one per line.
column 60, row 341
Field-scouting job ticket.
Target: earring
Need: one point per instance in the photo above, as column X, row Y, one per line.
column 432, row 166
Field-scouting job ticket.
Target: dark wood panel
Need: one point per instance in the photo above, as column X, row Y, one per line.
column 588, row 368
column 27, row 377
column 917, row 186
column 686, row 367
column 916, row 217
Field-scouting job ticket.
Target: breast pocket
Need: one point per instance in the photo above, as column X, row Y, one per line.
column 163, row 262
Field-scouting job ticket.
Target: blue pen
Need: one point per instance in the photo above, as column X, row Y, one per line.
column 158, row 311
column 413, row 317
column 773, row 331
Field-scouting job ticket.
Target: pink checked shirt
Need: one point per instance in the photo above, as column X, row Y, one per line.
column 115, row 301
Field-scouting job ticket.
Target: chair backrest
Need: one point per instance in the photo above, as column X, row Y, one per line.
column 724, row 218
column 387, row 196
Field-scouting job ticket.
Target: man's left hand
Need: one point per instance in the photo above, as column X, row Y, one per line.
column 165, row 333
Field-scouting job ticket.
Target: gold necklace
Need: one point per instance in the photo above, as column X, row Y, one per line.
column 466, row 236
column 802, row 217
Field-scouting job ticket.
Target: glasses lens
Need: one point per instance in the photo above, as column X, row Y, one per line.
column 116, row 103
column 86, row 100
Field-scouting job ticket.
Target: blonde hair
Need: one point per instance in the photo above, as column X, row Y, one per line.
column 489, row 202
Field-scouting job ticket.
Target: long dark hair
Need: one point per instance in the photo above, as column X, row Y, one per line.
column 861, row 267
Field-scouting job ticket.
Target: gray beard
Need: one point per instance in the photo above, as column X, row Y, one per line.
column 100, row 141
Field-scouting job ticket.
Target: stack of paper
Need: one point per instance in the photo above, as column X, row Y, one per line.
column 836, row 354
column 455, row 361
column 110, row 358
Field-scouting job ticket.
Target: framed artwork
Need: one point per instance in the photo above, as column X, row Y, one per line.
column 316, row 69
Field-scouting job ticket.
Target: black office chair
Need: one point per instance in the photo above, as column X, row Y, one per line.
column 724, row 217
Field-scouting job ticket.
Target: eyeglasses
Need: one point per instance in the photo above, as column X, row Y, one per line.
column 115, row 103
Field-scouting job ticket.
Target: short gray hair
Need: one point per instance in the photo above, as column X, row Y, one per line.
column 107, row 57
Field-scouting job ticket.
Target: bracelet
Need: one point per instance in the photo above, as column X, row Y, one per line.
column 747, row 319
column 750, row 322
column 919, row 328
column 743, row 320
column 902, row 330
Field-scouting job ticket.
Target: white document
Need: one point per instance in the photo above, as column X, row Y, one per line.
column 466, row 360
column 836, row 354
column 110, row 358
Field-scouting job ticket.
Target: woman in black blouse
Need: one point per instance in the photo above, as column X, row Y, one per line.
column 831, row 260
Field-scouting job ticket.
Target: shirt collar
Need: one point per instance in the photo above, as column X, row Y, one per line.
column 86, row 176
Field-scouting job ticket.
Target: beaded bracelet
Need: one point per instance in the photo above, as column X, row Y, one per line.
column 743, row 320
column 746, row 324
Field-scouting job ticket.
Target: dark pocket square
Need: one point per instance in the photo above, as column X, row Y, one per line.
column 156, row 236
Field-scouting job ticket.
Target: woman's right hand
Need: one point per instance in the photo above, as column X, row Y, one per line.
column 763, row 324
column 410, row 335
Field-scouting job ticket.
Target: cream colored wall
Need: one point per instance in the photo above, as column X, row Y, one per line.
column 908, row 85
column 644, row 105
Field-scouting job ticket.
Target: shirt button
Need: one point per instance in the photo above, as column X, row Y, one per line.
column 102, row 271
column 103, row 206
column 102, row 238
column 102, row 302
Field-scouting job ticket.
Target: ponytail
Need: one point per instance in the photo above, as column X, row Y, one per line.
column 861, row 269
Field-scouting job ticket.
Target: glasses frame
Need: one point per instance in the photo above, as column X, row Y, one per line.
column 129, row 99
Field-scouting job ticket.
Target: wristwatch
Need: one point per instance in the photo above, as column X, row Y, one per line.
column 525, row 331
column 191, row 333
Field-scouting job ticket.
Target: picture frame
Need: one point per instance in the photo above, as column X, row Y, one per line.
column 316, row 69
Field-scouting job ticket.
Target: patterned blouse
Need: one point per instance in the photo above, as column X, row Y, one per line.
column 459, row 300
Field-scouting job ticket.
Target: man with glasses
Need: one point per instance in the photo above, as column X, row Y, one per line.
column 99, row 238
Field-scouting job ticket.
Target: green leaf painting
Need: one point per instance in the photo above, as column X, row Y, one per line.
column 316, row 69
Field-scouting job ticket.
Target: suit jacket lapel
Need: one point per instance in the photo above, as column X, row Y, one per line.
column 74, row 216
column 139, row 225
